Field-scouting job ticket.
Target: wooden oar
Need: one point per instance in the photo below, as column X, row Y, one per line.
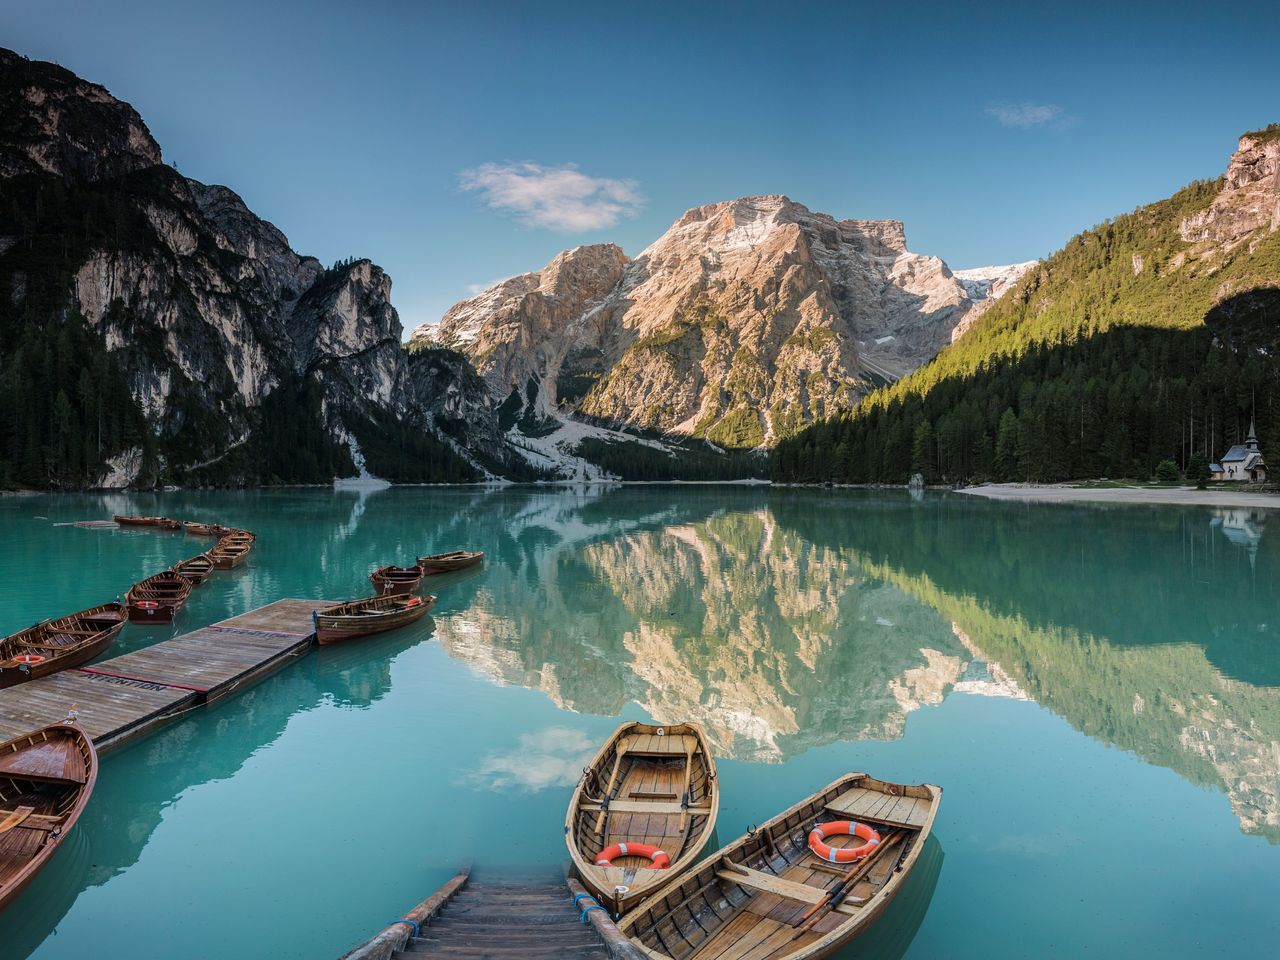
column 691, row 744
column 620, row 751
column 850, row 880
column 15, row 818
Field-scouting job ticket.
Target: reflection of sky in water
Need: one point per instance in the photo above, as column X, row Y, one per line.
column 552, row 757
column 998, row 649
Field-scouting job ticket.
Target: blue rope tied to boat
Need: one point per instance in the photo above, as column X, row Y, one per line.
column 409, row 922
column 578, row 898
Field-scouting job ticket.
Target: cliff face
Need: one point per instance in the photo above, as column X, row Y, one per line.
column 743, row 322
column 520, row 331
column 52, row 122
column 204, row 306
column 1250, row 197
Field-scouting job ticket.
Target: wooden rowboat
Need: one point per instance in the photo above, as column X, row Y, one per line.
column 158, row 598
column 768, row 895
column 196, row 570
column 229, row 553
column 198, row 529
column 448, row 562
column 46, row 778
column 137, row 521
column 649, row 785
column 168, row 523
column 360, row 618
column 58, row 644
column 396, row 580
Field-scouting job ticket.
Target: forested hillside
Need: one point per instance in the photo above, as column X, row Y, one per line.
column 1149, row 337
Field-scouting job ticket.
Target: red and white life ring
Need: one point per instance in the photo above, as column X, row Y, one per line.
column 660, row 860
column 848, row 828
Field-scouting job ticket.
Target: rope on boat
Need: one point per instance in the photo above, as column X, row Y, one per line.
column 392, row 923
column 592, row 906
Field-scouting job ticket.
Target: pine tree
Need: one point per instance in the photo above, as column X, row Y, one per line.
column 1007, row 442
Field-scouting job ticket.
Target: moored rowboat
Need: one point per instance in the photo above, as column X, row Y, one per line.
column 642, row 811
column 199, row 529
column 158, row 598
column 58, row 644
column 168, row 523
column 780, row 893
column 137, row 521
column 46, row 778
column 448, row 562
column 360, row 618
column 396, row 580
column 196, row 570
column 229, row 553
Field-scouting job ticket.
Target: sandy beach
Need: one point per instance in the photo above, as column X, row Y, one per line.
column 1063, row 493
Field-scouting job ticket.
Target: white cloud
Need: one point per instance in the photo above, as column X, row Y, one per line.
column 560, row 198
column 1027, row 114
column 553, row 757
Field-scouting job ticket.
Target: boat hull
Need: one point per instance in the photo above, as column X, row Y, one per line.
column 51, row 772
column 448, row 562
column 396, row 581
column 662, row 790
column 338, row 627
column 766, row 895
column 107, row 621
column 157, row 599
column 196, row 570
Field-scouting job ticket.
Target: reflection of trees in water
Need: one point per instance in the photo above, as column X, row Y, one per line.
column 788, row 621
column 1134, row 575
column 1165, row 702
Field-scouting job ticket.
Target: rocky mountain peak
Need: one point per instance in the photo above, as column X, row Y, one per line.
column 745, row 320
column 52, row 122
column 1250, row 195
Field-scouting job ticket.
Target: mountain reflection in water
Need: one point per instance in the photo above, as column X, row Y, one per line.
column 789, row 620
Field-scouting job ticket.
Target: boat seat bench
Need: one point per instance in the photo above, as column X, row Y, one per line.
column 652, row 745
column 790, row 889
column 862, row 804
column 645, row 806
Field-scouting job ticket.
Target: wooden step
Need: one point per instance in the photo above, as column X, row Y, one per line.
column 513, row 950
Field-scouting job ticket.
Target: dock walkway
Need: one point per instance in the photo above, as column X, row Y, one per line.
column 492, row 921
column 123, row 697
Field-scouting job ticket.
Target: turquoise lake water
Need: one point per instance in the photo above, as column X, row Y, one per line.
column 1096, row 688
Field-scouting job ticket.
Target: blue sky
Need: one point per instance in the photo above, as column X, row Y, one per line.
column 458, row 143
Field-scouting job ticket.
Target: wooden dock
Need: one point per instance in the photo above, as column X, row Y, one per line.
column 126, row 696
column 491, row 921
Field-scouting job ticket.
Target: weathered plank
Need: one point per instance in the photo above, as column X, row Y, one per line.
column 125, row 696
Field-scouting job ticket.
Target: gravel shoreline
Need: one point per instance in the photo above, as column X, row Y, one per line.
column 1053, row 493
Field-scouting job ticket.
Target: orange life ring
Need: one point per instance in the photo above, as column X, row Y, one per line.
column 412, row 603
column 29, row 659
column 848, row 828
column 660, row 860
column 147, row 605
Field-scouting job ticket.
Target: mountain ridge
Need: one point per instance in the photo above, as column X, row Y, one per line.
column 743, row 321
column 1150, row 337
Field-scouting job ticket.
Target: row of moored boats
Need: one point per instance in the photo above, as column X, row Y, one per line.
column 801, row 885
column 47, row 776
column 75, row 639
column 159, row 597
column 395, row 604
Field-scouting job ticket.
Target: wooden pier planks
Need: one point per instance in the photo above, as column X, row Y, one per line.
column 107, row 707
column 125, row 696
